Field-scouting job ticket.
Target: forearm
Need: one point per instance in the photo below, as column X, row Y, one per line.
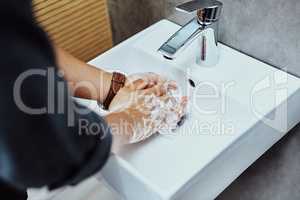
column 85, row 80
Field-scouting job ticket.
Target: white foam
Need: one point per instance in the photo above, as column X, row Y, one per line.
column 165, row 112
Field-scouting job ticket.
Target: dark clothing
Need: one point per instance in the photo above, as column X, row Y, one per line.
column 47, row 149
column 11, row 193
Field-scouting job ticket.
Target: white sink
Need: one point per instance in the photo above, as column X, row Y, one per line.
column 222, row 136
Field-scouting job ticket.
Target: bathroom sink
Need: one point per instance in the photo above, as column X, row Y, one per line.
column 238, row 109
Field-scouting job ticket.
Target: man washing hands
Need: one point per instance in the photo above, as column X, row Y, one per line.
column 123, row 96
column 38, row 144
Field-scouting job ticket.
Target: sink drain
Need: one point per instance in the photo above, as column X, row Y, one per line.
column 192, row 83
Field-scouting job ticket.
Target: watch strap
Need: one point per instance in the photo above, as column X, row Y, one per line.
column 117, row 82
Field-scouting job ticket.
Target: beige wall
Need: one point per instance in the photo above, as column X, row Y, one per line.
column 81, row 27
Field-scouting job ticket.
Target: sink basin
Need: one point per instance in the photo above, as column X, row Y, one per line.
column 237, row 111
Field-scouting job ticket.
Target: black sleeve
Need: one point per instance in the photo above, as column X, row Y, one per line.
column 44, row 139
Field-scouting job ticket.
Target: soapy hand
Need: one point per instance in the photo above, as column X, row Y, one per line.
column 139, row 110
column 138, row 86
column 146, row 80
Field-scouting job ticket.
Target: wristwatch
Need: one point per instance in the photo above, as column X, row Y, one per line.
column 117, row 82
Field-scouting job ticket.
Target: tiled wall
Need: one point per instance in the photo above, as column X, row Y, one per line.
column 266, row 29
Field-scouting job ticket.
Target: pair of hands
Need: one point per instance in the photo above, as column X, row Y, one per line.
column 139, row 110
column 143, row 107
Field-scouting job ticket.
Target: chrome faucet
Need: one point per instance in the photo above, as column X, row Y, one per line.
column 204, row 26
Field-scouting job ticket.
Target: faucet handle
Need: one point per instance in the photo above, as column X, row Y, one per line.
column 208, row 11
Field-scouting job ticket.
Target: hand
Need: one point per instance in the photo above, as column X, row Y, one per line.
column 144, row 112
column 148, row 79
column 139, row 85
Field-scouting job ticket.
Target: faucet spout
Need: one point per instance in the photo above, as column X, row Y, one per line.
column 205, row 24
column 181, row 39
